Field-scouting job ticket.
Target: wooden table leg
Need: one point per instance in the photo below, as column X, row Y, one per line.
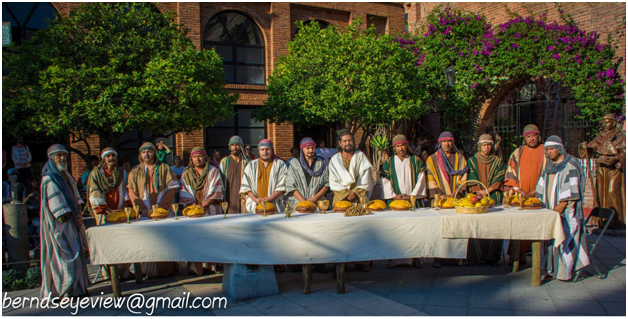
column 340, row 278
column 115, row 281
column 536, row 263
column 307, row 277
column 514, row 255
column 139, row 276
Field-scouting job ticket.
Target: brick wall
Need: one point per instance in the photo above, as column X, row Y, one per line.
column 76, row 163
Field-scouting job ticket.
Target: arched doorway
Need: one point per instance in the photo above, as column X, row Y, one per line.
column 542, row 102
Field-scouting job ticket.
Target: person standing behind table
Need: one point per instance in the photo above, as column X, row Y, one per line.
column 152, row 183
column 488, row 169
column 232, row 170
column 403, row 176
column 446, row 170
column 350, row 177
column 522, row 174
column 264, row 179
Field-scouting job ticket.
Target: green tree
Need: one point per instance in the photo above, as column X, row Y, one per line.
column 355, row 76
column 107, row 69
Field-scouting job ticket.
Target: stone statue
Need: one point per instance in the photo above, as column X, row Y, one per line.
column 609, row 148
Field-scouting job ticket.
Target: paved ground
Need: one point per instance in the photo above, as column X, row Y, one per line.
column 450, row 290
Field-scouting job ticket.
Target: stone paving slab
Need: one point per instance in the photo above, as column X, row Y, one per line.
column 404, row 290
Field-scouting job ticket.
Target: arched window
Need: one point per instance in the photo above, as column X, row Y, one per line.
column 239, row 41
column 27, row 17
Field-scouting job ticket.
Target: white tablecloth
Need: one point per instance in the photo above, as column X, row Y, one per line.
column 253, row 239
column 501, row 223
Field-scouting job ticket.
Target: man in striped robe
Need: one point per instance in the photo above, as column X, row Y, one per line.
column 63, row 241
column 523, row 172
column 488, row 169
column 264, row 179
column 152, row 183
column 446, row 170
column 201, row 183
column 403, row 175
column 561, row 188
column 232, row 170
column 307, row 178
column 107, row 192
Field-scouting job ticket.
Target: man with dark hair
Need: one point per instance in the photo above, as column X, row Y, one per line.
column 350, row 172
column 295, row 155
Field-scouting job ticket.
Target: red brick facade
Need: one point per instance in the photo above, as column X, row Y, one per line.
column 276, row 22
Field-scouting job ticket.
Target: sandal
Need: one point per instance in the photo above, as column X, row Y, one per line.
column 391, row 264
column 417, row 263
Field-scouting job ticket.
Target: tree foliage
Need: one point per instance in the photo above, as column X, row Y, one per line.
column 486, row 57
column 353, row 76
column 109, row 68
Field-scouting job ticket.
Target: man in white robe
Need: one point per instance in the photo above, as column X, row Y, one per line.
column 350, row 172
column 63, row 241
column 350, row 176
column 264, row 179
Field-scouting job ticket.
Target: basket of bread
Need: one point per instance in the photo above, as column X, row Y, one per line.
column 270, row 208
column 306, row 207
column 194, row 211
column 472, row 204
column 119, row 216
column 376, row 205
column 400, row 204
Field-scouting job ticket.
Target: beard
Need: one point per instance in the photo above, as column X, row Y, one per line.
column 348, row 149
column 62, row 167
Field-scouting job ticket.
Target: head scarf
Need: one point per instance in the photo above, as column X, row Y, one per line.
column 67, row 190
column 267, row 143
column 189, row 175
column 529, row 130
column 486, row 159
column 551, row 167
column 56, row 148
column 107, row 151
column 150, row 146
column 238, row 140
column 310, row 142
column 98, row 179
column 401, row 139
column 307, row 142
column 15, row 171
column 442, row 160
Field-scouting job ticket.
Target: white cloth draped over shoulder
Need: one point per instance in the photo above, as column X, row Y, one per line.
column 211, row 190
column 277, row 183
column 360, row 172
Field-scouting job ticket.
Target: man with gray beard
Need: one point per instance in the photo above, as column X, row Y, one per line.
column 63, row 244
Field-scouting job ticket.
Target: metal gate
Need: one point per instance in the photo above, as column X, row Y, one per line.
column 547, row 105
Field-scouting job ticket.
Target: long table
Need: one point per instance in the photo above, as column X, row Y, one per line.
column 313, row 238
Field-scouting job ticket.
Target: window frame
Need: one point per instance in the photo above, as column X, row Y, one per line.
column 234, row 43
